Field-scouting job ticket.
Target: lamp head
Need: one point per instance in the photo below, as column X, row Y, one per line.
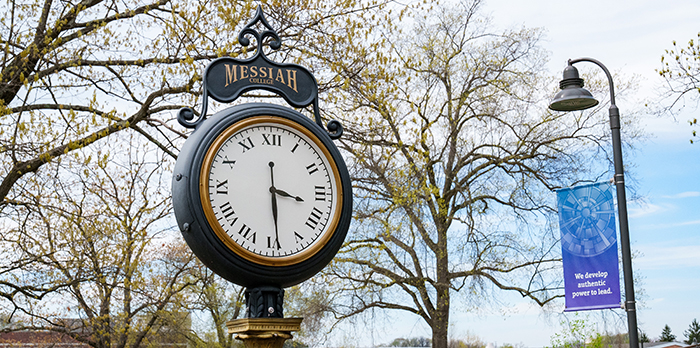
column 572, row 95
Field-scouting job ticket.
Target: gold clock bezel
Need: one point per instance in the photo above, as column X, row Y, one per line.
column 209, row 210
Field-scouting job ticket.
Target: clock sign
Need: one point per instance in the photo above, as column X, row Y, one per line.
column 260, row 192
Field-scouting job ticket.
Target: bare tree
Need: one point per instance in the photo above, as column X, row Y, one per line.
column 95, row 247
column 214, row 302
column 681, row 72
column 454, row 158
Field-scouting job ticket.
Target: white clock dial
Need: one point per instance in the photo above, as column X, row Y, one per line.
column 270, row 190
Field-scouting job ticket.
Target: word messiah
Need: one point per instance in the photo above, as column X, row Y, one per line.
column 266, row 75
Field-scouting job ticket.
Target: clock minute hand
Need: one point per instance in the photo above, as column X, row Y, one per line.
column 273, row 191
column 274, row 205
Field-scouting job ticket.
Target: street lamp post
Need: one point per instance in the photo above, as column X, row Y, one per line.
column 574, row 97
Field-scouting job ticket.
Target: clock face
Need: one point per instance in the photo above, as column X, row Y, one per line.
column 270, row 190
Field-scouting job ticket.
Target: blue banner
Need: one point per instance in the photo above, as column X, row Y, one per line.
column 589, row 247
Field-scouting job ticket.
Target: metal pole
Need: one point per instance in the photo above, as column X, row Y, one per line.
column 630, row 304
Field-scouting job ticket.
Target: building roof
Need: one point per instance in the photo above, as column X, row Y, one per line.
column 665, row 345
column 38, row 339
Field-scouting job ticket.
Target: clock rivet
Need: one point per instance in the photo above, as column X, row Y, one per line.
column 178, row 177
column 270, row 310
column 186, row 227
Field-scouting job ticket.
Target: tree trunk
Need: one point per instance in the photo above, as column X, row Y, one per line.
column 441, row 319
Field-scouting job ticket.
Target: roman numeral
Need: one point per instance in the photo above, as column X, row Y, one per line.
column 247, row 146
column 295, row 147
column 272, row 139
column 229, row 162
column 249, row 236
column 320, row 193
column 314, row 218
column 229, row 214
column 270, row 243
column 222, row 187
column 312, row 168
column 245, row 232
column 297, row 237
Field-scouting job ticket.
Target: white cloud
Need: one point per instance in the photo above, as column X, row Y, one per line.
column 656, row 300
column 673, row 257
column 687, row 223
column 684, row 195
column 645, row 210
column 665, row 226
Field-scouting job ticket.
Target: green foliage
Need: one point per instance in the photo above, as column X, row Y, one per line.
column 294, row 344
column 581, row 331
column 75, row 74
column 666, row 335
column 410, row 342
column 577, row 333
column 469, row 343
column 692, row 335
column 643, row 338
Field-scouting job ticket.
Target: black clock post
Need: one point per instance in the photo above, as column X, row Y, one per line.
column 260, row 192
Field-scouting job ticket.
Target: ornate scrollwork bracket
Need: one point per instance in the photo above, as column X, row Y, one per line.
column 225, row 79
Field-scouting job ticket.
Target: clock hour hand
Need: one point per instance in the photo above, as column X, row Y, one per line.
column 285, row 194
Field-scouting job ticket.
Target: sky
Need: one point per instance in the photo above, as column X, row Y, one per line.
column 629, row 37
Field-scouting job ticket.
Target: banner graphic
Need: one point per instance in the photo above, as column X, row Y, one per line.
column 589, row 247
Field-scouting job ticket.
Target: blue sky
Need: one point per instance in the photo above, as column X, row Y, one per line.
column 629, row 37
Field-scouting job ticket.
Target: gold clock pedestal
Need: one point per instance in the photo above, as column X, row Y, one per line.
column 264, row 332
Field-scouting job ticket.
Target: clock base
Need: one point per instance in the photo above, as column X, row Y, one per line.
column 264, row 332
column 264, row 302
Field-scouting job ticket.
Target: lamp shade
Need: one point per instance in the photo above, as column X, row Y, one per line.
column 572, row 95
